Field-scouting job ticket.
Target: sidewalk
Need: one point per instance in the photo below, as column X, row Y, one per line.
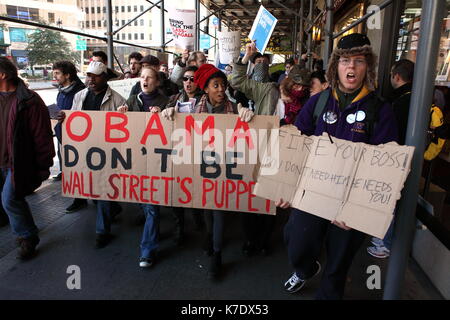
column 113, row 272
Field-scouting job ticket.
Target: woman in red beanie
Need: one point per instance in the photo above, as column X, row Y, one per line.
column 214, row 83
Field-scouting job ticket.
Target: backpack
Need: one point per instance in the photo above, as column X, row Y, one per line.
column 373, row 105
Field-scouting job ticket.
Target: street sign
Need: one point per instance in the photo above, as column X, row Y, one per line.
column 205, row 41
column 215, row 22
column 81, row 45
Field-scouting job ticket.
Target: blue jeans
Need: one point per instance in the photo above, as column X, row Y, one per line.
column 17, row 209
column 387, row 240
column 103, row 224
column 150, row 235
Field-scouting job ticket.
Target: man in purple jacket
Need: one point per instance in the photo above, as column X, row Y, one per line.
column 351, row 111
column 26, row 153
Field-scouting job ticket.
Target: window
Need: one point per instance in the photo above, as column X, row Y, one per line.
column 135, row 8
column 135, row 36
column 93, row 23
column 142, row 8
column 142, row 36
column 116, row 9
column 51, row 17
column 135, row 22
column 123, row 36
column 129, row 8
column 23, row 13
column 104, row 22
column 86, row 9
column 99, row 24
column 49, row 0
column 104, row 10
column 123, row 22
column 129, row 36
column 122, row 8
column 142, row 22
column 150, row 23
column 98, row 9
column 92, row 10
column 87, row 24
column 150, row 36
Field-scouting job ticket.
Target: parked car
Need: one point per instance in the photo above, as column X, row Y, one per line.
column 39, row 70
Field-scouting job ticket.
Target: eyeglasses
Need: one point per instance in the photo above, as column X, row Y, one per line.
column 357, row 62
column 188, row 78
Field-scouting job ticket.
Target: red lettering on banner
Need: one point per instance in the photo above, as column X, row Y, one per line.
column 115, row 195
column 159, row 130
column 186, row 190
column 250, row 197
column 76, row 183
column 124, row 184
column 82, row 186
column 134, row 182
column 206, row 189
column 67, row 184
column 240, row 192
column 239, row 135
column 121, row 126
column 86, row 133
column 189, row 124
column 267, row 205
column 166, row 188
column 91, row 188
column 153, row 190
column 141, row 195
column 229, row 191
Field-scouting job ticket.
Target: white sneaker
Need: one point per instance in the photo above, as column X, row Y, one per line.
column 379, row 252
column 294, row 283
column 377, row 242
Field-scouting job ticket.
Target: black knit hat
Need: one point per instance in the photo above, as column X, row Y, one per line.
column 151, row 60
column 353, row 40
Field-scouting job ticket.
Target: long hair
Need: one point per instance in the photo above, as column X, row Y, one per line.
column 8, row 68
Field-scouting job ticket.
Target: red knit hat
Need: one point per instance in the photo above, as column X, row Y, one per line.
column 202, row 75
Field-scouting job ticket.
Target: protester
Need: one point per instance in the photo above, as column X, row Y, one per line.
column 317, row 64
column 196, row 58
column 228, row 69
column 288, row 65
column 351, row 74
column 148, row 100
column 190, row 91
column 65, row 74
column 402, row 73
column 318, row 82
column 135, row 66
column 98, row 96
column 213, row 82
column 166, row 87
column 26, row 153
column 258, row 58
column 100, row 56
column 164, row 68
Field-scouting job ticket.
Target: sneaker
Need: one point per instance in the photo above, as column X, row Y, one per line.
column 102, row 240
column 294, row 283
column 76, row 205
column 379, row 252
column 57, row 177
column 377, row 242
column 146, row 262
column 27, row 247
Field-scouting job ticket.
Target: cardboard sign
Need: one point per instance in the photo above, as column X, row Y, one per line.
column 197, row 160
column 182, row 23
column 355, row 183
column 229, row 46
column 123, row 87
column 262, row 28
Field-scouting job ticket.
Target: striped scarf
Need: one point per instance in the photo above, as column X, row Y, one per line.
column 203, row 108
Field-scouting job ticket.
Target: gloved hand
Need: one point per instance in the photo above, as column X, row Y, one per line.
column 245, row 114
column 122, row 109
column 168, row 113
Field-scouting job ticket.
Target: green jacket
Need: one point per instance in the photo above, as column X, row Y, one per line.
column 265, row 95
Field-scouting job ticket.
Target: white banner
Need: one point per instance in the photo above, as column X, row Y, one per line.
column 229, row 45
column 182, row 23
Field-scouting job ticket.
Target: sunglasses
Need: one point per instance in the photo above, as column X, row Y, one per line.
column 188, row 78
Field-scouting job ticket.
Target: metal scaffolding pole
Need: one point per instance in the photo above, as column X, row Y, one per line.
column 197, row 25
column 294, row 36
column 310, row 59
column 419, row 115
column 302, row 12
column 163, row 27
column 109, row 34
column 328, row 47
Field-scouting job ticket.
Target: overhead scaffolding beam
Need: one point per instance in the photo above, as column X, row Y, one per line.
column 217, row 11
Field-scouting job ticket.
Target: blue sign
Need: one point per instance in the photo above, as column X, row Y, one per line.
column 205, row 41
column 19, row 34
column 215, row 21
column 262, row 28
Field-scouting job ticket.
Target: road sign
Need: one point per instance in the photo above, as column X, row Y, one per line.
column 205, row 41
column 215, row 22
column 81, row 45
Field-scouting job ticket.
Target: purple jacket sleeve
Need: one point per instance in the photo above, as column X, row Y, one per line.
column 385, row 129
column 305, row 122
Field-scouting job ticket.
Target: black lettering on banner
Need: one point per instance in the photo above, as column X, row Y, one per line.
column 89, row 156
column 319, row 146
column 210, row 164
column 230, row 165
column 116, row 155
column 67, row 162
column 164, row 153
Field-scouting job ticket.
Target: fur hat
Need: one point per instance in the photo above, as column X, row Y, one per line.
column 352, row 45
column 300, row 75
